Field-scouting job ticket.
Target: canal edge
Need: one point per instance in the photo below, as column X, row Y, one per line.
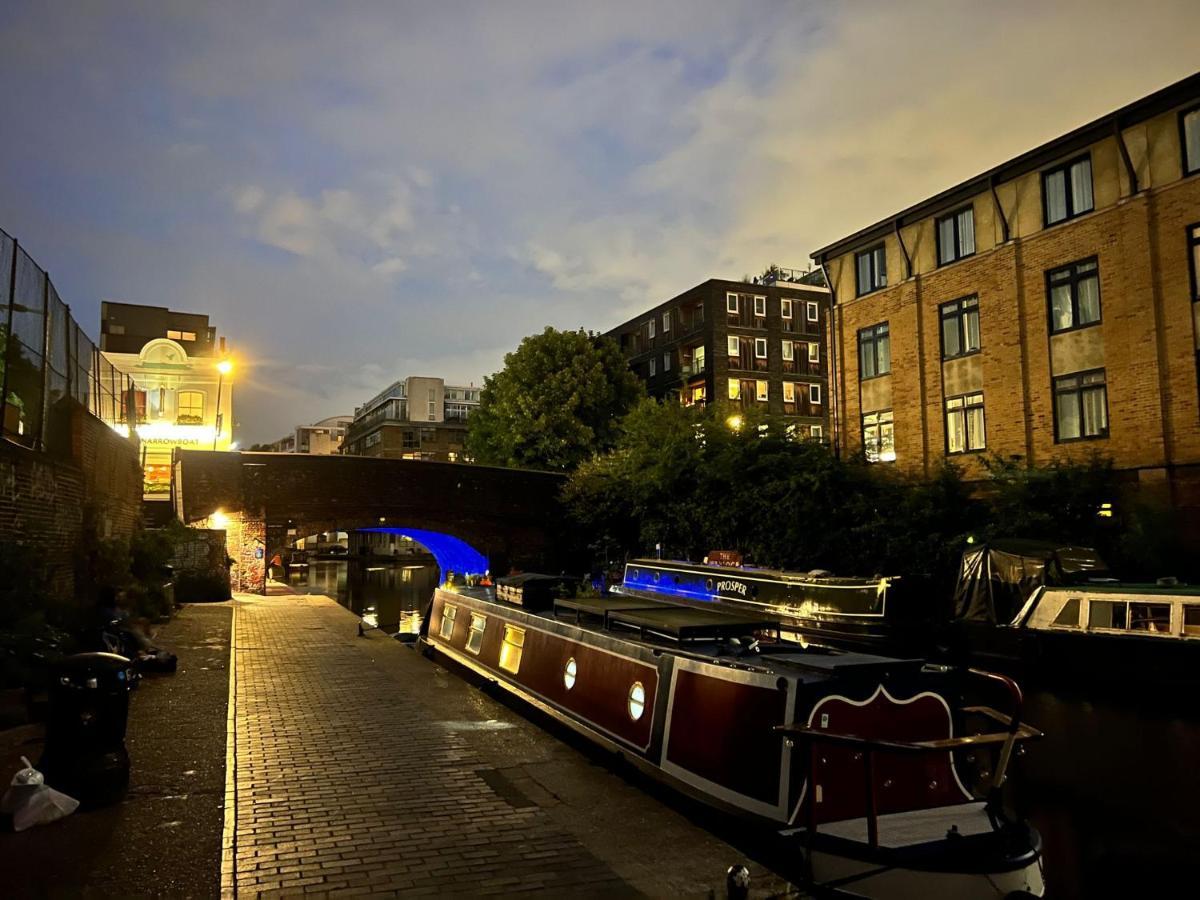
column 229, row 828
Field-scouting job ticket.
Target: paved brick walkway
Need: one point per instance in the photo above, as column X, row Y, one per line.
column 361, row 767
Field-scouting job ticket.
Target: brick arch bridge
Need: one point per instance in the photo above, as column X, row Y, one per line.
column 512, row 517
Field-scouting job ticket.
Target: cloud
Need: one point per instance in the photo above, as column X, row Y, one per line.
column 359, row 194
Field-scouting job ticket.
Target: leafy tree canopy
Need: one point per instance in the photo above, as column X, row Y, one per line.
column 557, row 401
column 683, row 478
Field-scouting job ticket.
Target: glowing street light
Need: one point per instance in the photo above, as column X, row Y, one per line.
column 219, row 520
column 224, row 367
column 734, row 422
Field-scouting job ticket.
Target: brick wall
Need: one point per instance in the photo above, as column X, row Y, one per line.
column 1146, row 328
column 90, row 481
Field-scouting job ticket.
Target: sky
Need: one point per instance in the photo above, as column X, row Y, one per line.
column 356, row 192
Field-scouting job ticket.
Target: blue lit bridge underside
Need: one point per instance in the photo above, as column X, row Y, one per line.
column 451, row 553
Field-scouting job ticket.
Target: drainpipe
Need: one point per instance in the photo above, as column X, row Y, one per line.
column 903, row 250
column 834, row 388
column 999, row 209
column 1129, row 169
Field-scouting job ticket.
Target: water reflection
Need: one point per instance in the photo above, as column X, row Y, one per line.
column 1114, row 789
column 388, row 595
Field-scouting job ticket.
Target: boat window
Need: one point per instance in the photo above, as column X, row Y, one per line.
column 633, row 574
column 637, row 701
column 1191, row 619
column 1106, row 614
column 569, row 671
column 448, row 614
column 475, row 635
column 1068, row 616
column 657, row 575
column 510, row 649
column 1154, row 617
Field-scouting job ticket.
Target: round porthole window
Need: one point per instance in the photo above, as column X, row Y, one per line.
column 708, row 585
column 637, row 701
column 633, row 574
column 569, row 673
column 657, row 575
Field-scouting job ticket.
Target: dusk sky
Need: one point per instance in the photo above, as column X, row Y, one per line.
column 355, row 192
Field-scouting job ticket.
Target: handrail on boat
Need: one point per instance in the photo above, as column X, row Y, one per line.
column 1014, row 731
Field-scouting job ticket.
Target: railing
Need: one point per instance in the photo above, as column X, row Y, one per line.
column 1014, row 732
column 45, row 357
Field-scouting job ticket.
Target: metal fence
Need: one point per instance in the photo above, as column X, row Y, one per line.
column 45, row 357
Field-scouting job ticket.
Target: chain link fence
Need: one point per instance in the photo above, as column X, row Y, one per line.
column 45, row 357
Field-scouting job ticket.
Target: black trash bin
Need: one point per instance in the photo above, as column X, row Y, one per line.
column 85, row 755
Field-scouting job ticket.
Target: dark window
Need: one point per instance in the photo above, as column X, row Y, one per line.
column 960, row 327
column 878, row 436
column 408, row 439
column 956, row 235
column 1067, row 191
column 1069, row 614
column 871, row 270
column 1154, row 617
column 1080, row 406
column 874, row 351
column 1074, row 295
column 1189, row 136
column 964, row 424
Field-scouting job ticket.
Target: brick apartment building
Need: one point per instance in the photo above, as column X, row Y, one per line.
column 1046, row 308
column 739, row 343
column 413, row 418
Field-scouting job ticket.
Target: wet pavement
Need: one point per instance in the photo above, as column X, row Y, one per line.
column 362, row 767
column 164, row 838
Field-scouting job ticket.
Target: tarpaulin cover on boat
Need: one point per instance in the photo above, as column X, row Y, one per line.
column 996, row 579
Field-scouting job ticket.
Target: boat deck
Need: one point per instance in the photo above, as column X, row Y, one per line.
column 700, row 632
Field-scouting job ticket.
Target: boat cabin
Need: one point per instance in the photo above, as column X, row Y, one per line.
column 1117, row 609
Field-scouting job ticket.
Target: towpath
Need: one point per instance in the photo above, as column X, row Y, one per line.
column 356, row 766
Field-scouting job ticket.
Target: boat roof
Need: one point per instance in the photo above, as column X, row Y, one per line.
column 757, row 572
column 689, row 623
column 1126, row 587
column 700, row 632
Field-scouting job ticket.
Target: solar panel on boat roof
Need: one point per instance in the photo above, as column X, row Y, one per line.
column 685, row 622
column 598, row 606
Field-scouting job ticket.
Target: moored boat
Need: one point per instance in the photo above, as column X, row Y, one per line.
column 850, row 612
column 1057, row 611
column 853, row 762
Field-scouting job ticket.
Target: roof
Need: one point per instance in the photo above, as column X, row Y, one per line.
column 1139, row 111
column 745, row 286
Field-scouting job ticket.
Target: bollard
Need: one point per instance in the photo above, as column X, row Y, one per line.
column 737, row 882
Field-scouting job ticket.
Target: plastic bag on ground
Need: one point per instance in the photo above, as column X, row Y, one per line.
column 30, row 802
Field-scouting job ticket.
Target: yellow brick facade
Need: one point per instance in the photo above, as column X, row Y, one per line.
column 1146, row 340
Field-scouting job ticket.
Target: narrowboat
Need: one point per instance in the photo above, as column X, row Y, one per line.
column 848, row 612
column 865, row 774
column 1056, row 610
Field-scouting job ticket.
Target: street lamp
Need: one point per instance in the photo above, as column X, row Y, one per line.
column 224, row 367
column 734, row 422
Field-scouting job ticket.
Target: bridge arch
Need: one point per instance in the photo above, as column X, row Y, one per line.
column 512, row 518
column 453, row 554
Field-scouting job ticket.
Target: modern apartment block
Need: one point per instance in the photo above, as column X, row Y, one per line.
column 414, row 418
column 322, row 438
column 1047, row 308
column 753, row 345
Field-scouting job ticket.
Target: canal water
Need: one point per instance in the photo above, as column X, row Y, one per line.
column 1114, row 788
column 388, row 595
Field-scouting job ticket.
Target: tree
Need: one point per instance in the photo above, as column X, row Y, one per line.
column 557, row 401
